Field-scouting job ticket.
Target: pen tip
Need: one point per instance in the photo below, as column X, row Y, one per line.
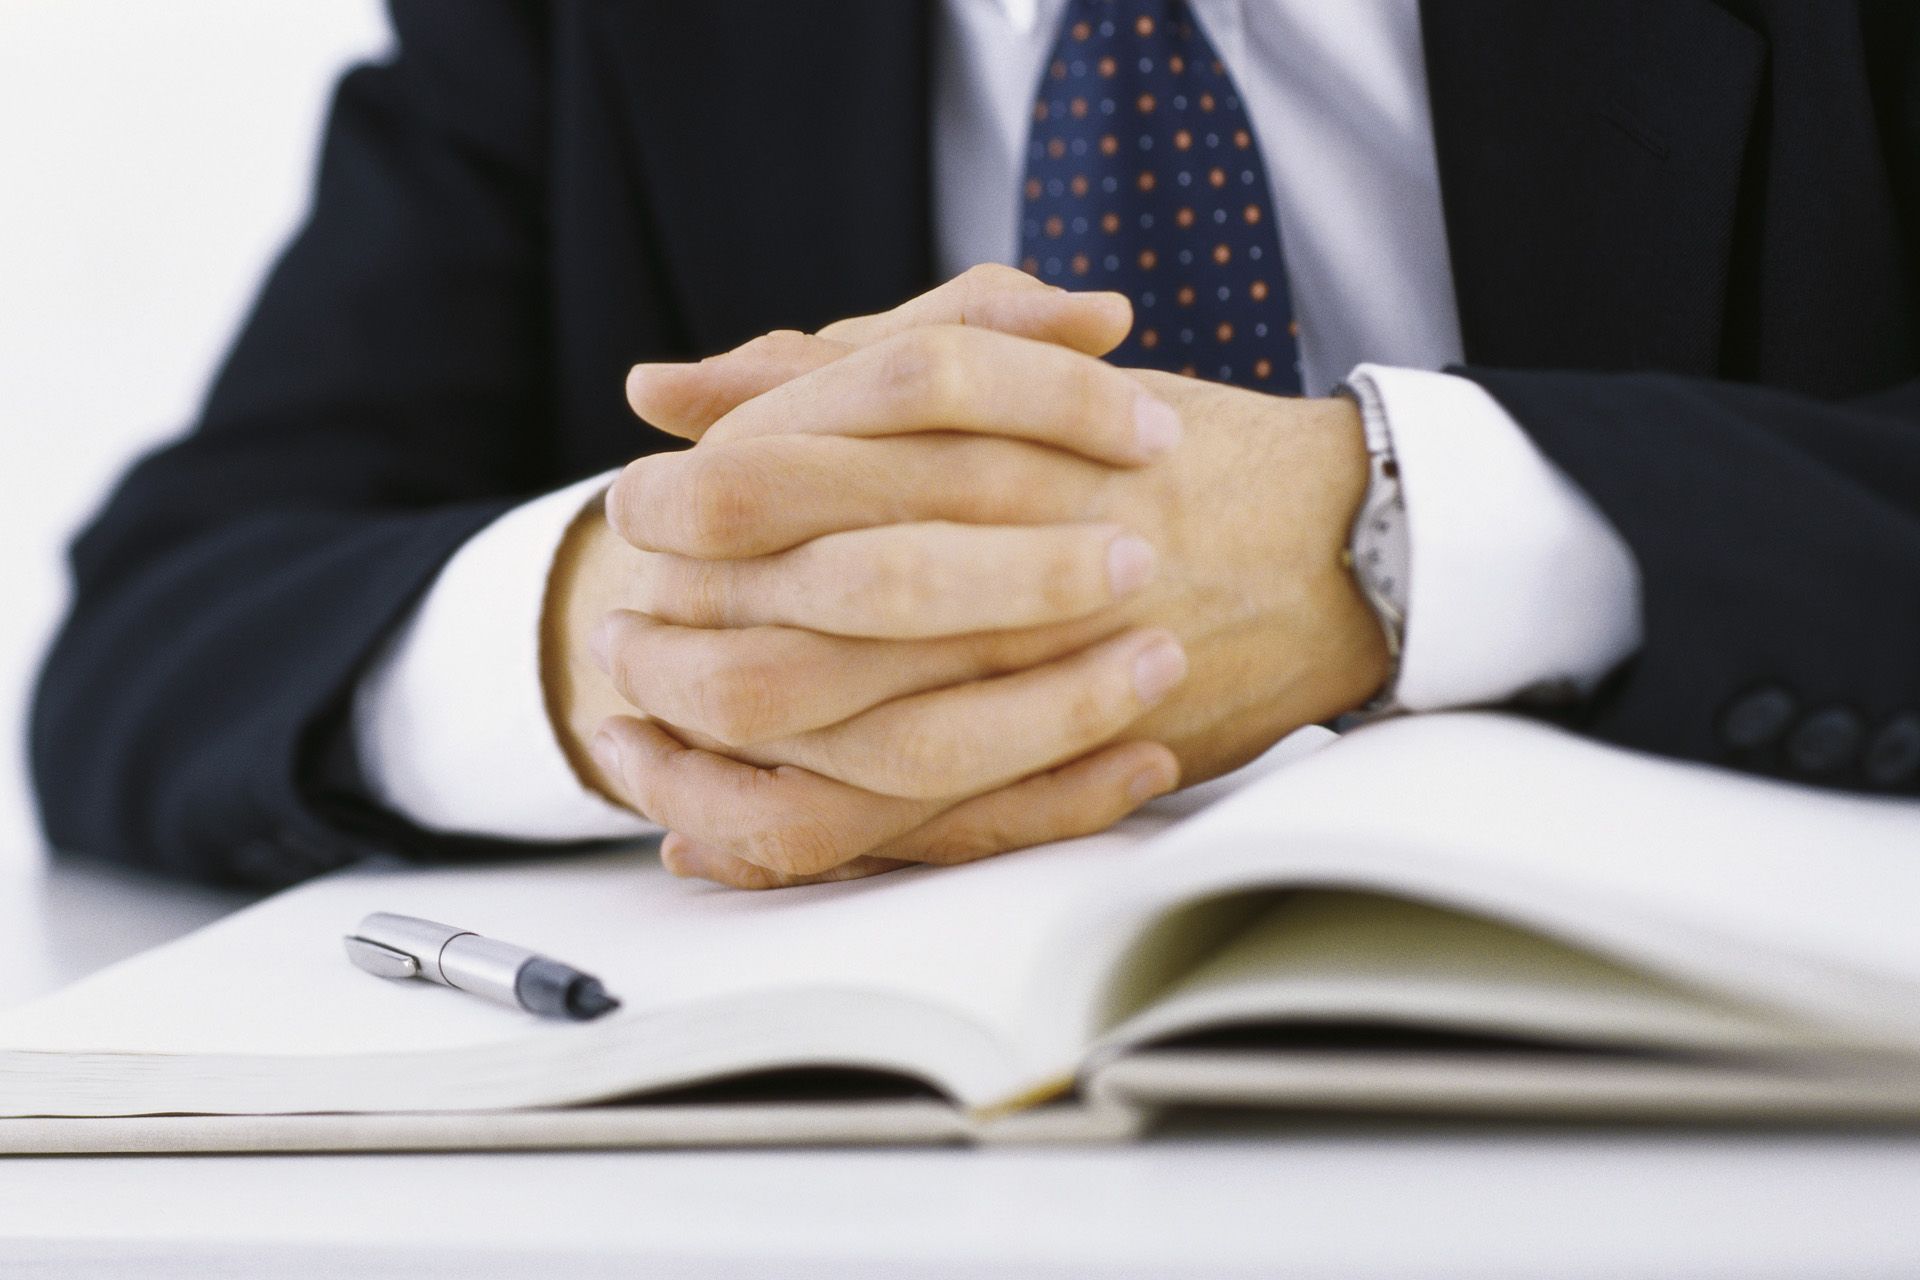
column 588, row 999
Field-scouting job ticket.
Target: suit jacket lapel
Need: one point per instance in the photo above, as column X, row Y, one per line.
column 784, row 153
column 1591, row 160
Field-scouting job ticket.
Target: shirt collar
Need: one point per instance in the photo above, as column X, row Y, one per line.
column 1021, row 15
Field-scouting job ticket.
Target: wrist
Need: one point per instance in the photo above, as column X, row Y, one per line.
column 1364, row 647
column 1379, row 544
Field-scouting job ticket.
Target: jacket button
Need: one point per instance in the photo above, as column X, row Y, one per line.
column 1757, row 718
column 1825, row 741
column 1893, row 757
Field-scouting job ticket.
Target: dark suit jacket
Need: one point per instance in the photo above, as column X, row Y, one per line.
column 1685, row 235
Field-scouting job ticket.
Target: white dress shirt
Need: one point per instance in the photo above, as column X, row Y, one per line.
column 1517, row 580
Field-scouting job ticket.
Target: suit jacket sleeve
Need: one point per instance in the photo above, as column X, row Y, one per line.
column 383, row 402
column 1778, row 539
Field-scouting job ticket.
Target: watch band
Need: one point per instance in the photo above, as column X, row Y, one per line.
column 1379, row 547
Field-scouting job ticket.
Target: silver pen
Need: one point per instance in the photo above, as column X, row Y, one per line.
column 392, row 946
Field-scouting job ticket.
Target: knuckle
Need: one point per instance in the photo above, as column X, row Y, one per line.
column 981, row 837
column 778, row 349
column 719, row 496
column 1099, row 402
column 741, row 874
column 737, row 701
column 894, row 586
column 927, row 368
column 1067, row 581
column 796, row 847
column 705, row 593
column 625, row 668
column 990, row 271
column 688, row 592
column 994, row 277
column 1091, row 712
column 924, row 763
column 773, row 343
column 636, row 788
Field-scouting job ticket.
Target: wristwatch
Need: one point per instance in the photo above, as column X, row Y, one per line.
column 1379, row 547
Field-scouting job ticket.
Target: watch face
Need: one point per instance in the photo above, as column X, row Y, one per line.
column 1382, row 549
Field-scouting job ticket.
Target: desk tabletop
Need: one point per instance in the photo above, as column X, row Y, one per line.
column 1205, row 1198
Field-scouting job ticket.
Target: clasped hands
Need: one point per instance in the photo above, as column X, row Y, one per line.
column 940, row 583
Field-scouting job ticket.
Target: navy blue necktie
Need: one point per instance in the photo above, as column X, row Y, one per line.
column 1143, row 176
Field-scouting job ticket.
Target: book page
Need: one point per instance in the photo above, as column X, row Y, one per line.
column 1783, row 897
column 947, row 956
column 1330, row 956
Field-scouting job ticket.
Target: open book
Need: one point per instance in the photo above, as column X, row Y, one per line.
column 1461, row 913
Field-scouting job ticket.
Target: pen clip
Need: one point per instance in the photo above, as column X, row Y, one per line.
column 383, row 962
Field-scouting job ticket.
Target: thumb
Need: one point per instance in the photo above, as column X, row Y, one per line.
column 991, row 296
column 685, row 399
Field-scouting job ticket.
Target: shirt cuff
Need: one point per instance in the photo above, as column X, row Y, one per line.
column 1518, row 585
column 451, row 722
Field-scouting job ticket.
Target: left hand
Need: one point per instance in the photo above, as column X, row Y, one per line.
column 907, row 501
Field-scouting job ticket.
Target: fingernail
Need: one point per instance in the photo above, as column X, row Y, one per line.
column 600, row 646
column 1156, row 427
column 606, row 751
column 1147, row 784
column 1156, row 669
column 1130, row 562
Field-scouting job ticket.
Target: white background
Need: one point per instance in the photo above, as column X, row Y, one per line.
column 152, row 159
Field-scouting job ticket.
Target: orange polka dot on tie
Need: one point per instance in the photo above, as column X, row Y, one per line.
column 1206, row 102
column 1224, row 333
column 1078, row 185
column 1080, row 264
column 1188, row 371
column 1110, row 223
column 1293, row 328
column 1033, row 188
column 1078, row 108
column 1185, row 296
column 1257, row 291
column 1030, row 265
column 1242, row 139
column 1040, row 112
column 1262, row 368
column 1149, row 338
column 1146, row 181
column 1057, row 148
column 1145, row 103
column 1222, row 254
column 1182, row 139
column 1251, row 213
column 1184, row 217
column 1109, row 145
column 1081, row 30
column 1176, row 64
column 1144, row 26
column 1058, row 70
column 1218, row 177
column 1107, row 67
column 1055, row 226
column 1148, row 259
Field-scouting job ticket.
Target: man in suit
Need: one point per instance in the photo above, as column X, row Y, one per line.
column 936, row 582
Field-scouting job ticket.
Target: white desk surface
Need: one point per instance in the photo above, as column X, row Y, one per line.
column 1320, row 1200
